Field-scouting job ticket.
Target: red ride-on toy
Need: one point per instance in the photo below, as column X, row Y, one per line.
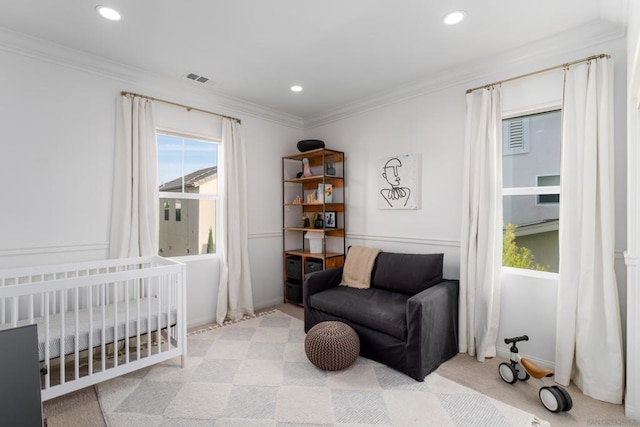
column 554, row 398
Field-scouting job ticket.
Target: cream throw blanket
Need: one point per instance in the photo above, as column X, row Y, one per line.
column 358, row 266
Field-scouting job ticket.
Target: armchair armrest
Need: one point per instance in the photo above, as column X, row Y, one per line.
column 321, row 280
column 432, row 328
column 316, row 282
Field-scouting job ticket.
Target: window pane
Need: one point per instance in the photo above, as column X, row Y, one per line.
column 189, row 168
column 178, row 210
column 530, row 234
column 542, row 157
column 194, row 233
column 531, row 158
column 187, row 165
column 546, row 181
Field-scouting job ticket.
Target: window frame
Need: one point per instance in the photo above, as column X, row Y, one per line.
column 166, row 195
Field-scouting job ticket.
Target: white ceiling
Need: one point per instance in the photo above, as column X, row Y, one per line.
column 340, row 51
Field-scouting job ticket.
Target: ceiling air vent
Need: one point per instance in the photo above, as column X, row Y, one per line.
column 198, row 78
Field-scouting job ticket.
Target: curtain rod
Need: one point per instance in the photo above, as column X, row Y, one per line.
column 125, row 93
column 565, row 65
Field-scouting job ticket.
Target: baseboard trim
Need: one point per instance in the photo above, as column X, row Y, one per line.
column 270, row 303
column 505, row 353
column 200, row 321
column 631, row 412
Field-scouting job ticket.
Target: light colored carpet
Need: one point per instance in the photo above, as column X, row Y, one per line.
column 255, row 373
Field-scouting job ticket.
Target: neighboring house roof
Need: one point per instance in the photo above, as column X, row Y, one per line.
column 543, row 226
column 192, row 180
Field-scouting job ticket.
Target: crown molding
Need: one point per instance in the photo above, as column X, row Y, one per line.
column 562, row 44
column 614, row 10
column 513, row 62
column 135, row 78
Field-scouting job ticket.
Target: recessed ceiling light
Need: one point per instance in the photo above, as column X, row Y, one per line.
column 296, row 88
column 454, row 17
column 108, row 13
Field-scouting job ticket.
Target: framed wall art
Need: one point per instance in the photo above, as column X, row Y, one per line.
column 399, row 182
column 330, row 219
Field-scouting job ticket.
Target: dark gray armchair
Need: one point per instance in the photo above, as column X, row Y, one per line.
column 407, row 319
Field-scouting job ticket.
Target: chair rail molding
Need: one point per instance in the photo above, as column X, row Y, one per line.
column 39, row 250
column 405, row 240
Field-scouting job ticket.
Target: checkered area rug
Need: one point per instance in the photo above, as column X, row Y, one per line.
column 255, row 373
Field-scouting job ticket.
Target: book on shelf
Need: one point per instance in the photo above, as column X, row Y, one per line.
column 327, row 193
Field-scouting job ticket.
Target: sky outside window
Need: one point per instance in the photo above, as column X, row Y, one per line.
column 175, row 152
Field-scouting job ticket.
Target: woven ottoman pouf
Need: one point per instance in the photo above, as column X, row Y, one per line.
column 332, row 345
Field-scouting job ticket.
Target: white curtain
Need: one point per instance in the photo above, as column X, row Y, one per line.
column 134, row 208
column 481, row 243
column 589, row 336
column 235, row 297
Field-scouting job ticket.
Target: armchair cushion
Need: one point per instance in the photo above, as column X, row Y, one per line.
column 406, row 273
column 378, row 309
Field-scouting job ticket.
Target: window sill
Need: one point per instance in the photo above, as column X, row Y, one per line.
column 189, row 258
column 530, row 273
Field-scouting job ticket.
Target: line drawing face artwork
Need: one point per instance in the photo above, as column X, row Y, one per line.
column 397, row 182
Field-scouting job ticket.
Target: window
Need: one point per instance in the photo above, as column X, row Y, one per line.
column 178, row 210
column 548, row 181
column 188, row 181
column 531, row 191
column 167, row 210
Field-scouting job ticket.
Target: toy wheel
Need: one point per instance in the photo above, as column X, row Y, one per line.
column 522, row 374
column 552, row 399
column 508, row 373
column 568, row 402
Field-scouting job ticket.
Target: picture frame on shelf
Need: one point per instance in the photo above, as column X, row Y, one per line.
column 331, row 219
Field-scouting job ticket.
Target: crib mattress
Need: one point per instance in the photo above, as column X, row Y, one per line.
column 112, row 332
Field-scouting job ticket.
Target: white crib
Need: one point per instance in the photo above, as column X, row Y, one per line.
column 98, row 320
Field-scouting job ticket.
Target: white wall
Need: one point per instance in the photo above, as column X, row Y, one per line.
column 432, row 124
column 56, row 162
column 424, row 125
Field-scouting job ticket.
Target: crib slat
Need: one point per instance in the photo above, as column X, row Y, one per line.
column 47, row 340
column 137, row 296
column 76, row 335
column 90, row 339
column 159, row 316
column 126, row 321
column 148, row 296
column 62, row 335
column 30, row 309
column 14, row 312
column 41, row 304
column 115, row 325
column 103, row 345
column 166, row 312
